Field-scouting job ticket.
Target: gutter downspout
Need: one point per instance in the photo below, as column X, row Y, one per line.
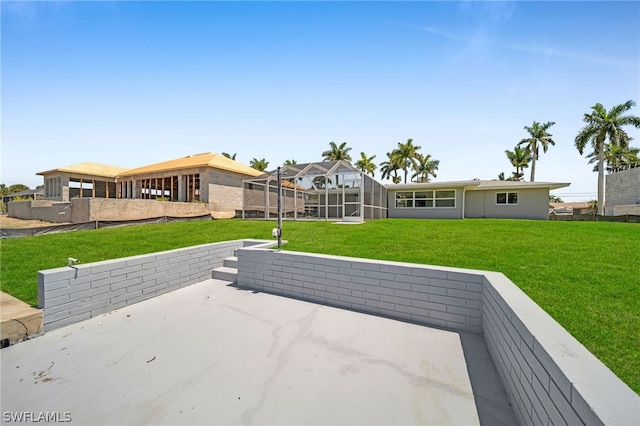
column 464, row 192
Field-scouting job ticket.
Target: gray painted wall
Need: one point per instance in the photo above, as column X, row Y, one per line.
column 532, row 204
column 72, row 294
column 549, row 376
column 45, row 210
column 622, row 188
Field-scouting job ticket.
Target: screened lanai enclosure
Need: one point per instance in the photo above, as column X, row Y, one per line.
column 330, row 190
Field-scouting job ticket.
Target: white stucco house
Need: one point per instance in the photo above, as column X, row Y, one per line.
column 471, row 199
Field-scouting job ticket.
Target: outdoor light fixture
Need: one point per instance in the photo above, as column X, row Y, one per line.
column 71, row 261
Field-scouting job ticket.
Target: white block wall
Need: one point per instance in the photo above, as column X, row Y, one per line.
column 550, row 377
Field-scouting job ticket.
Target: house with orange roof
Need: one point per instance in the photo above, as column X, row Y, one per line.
column 192, row 185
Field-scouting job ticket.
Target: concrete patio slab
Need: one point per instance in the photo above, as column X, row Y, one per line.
column 212, row 354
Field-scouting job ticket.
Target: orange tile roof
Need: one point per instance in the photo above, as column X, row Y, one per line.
column 88, row 168
column 209, row 159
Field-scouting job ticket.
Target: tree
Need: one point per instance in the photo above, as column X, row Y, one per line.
column 407, row 156
column 426, row 167
column 366, row 164
column 555, row 199
column 18, row 187
column 519, row 158
column 538, row 135
column 337, row 152
column 289, row 163
column 390, row 167
column 260, row 165
column 600, row 126
column 233, row 157
column 618, row 158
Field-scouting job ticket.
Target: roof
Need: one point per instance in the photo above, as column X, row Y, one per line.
column 575, row 205
column 88, row 168
column 208, row 159
column 26, row 193
column 480, row 185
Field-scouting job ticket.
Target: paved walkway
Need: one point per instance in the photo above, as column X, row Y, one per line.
column 213, row 354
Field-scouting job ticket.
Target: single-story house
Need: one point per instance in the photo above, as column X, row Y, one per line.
column 471, row 199
column 207, row 178
column 191, row 186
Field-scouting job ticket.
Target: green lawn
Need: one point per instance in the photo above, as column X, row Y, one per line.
column 584, row 274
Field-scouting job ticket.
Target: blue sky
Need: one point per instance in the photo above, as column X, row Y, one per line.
column 133, row 83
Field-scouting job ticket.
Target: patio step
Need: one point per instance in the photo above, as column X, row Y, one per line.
column 225, row 273
column 230, row 262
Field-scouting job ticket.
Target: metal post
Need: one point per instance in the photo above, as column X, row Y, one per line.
column 279, row 210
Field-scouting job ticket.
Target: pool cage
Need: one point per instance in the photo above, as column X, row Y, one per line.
column 329, row 190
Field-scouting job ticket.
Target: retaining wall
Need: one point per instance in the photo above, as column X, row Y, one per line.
column 72, row 294
column 549, row 376
column 438, row 297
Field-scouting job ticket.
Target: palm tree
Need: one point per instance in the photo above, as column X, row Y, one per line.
column 618, row 158
column 538, row 135
column 519, row 158
column 407, row 154
column 337, row 152
column 603, row 124
column 260, row 165
column 426, row 167
column 366, row 164
column 233, row 157
column 390, row 167
column 290, row 163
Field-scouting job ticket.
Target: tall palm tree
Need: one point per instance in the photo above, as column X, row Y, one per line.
column 602, row 125
column 366, row 164
column 390, row 167
column 538, row 135
column 618, row 158
column 519, row 158
column 233, row 157
column 260, row 165
column 290, row 163
column 407, row 154
column 336, row 152
column 426, row 167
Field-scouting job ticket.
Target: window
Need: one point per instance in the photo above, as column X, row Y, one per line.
column 426, row 199
column 507, row 198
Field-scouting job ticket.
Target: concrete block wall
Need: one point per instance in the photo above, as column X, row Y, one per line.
column 622, row 188
column 550, row 377
column 437, row 297
column 72, row 294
